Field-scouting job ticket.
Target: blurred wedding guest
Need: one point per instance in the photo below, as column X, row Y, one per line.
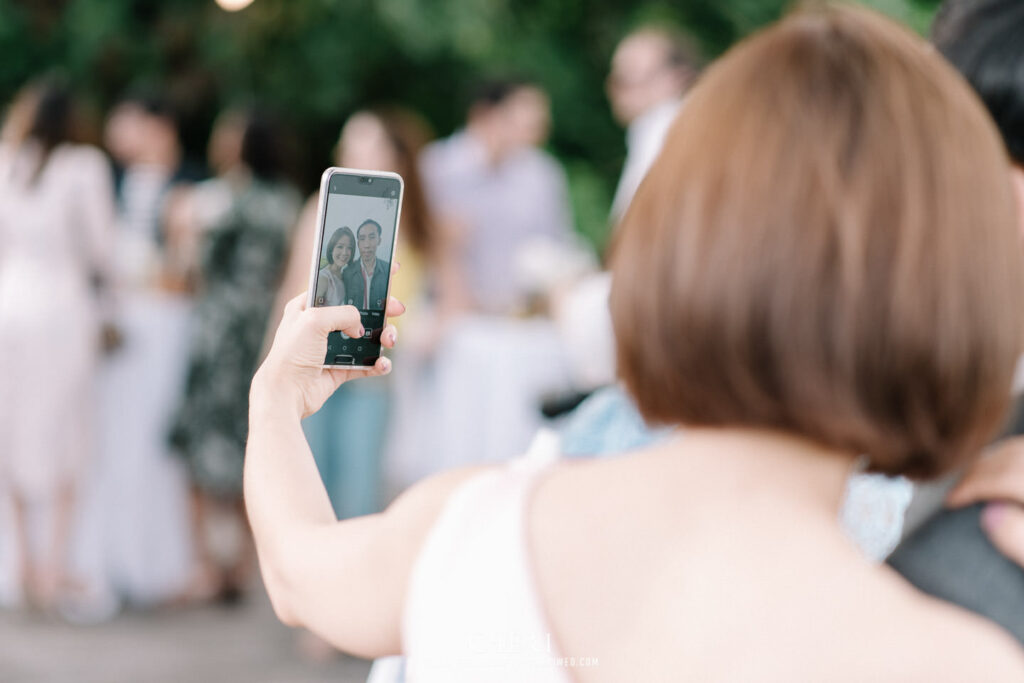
column 652, row 69
column 143, row 493
column 347, row 435
column 513, row 246
column 242, row 249
column 778, row 292
column 56, row 220
column 392, row 139
column 501, row 191
column 142, row 137
column 953, row 555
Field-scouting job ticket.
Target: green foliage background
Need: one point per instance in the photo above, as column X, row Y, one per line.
column 315, row 61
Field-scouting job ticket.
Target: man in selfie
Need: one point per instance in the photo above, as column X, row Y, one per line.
column 366, row 280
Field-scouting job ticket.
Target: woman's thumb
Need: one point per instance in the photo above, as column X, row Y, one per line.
column 335, row 318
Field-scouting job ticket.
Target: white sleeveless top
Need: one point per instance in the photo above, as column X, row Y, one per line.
column 472, row 612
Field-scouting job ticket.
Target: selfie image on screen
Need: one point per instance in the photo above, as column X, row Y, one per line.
column 355, row 260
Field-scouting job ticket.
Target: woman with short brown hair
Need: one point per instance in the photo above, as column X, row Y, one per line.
column 823, row 265
column 842, row 266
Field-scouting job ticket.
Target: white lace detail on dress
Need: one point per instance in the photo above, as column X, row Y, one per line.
column 874, row 507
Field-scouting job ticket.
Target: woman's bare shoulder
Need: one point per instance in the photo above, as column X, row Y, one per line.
column 936, row 640
column 843, row 607
column 435, row 490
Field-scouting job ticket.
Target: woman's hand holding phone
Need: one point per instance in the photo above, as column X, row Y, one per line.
column 293, row 376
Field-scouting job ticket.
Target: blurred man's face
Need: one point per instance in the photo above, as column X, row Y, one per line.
column 369, row 240
column 224, row 151
column 641, row 77
column 527, row 117
column 124, row 134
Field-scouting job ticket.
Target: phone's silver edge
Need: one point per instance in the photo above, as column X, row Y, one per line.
column 321, row 211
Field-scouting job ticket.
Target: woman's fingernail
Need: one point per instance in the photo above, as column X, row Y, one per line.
column 992, row 516
column 386, row 363
column 362, row 331
column 394, row 336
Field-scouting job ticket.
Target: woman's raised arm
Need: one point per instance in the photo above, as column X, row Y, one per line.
column 346, row 580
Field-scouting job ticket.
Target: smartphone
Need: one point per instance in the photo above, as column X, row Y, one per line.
column 357, row 227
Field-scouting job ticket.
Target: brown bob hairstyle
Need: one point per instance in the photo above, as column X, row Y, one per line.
column 827, row 245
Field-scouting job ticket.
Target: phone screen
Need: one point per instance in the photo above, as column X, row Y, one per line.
column 356, row 246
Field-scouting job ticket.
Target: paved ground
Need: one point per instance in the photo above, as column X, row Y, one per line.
column 212, row 644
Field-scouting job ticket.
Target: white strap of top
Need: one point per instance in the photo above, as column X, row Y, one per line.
column 471, row 612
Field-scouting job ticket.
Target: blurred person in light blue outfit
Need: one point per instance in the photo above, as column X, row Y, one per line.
column 347, row 435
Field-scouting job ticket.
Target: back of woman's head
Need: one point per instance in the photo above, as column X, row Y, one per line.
column 401, row 137
column 261, row 148
column 409, row 133
column 43, row 111
column 51, row 125
column 827, row 246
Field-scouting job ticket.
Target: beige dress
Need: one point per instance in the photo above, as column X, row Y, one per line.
column 54, row 235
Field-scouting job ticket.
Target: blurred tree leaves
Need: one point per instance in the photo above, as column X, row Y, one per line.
column 316, row 61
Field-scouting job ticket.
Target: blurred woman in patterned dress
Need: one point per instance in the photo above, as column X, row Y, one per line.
column 243, row 221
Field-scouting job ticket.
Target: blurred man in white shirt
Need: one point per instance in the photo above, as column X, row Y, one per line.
column 652, row 68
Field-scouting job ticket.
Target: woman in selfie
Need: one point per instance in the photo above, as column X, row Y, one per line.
column 340, row 248
column 820, row 274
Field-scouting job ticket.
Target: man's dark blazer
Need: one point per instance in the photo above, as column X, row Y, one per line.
column 352, row 276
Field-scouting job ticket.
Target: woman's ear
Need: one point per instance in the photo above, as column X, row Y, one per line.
column 1017, row 174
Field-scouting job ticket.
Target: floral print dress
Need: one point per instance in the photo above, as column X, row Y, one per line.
column 242, row 259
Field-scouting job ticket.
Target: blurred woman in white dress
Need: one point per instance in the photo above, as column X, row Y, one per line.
column 56, row 213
